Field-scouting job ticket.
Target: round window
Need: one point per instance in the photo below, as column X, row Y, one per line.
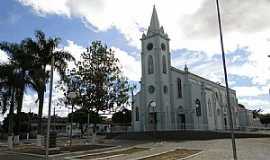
column 150, row 46
column 163, row 46
column 165, row 89
column 151, row 89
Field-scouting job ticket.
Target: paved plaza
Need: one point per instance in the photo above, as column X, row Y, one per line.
column 247, row 149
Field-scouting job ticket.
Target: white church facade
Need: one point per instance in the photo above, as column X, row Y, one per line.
column 173, row 99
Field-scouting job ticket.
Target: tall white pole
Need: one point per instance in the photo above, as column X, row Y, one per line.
column 71, row 126
column 226, row 81
column 88, row 124
column 49, row 111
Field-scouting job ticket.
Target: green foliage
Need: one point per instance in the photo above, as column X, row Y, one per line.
column 14, row 74
column 43, row 48
column 103, row 85
column 24, row 125
column 265, row 119
column 256, row 113
column 14, row 78
column 122, row 117
column 81, row 117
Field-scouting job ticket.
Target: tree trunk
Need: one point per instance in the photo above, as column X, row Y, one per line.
column 10, row 124
column 82, row 129
column 19, row 110
column 41, row 92
column 40, row 110
column 94, row 135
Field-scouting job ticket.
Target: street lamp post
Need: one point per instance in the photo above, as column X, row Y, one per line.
column 226, row 81
column 29, row 125
column 54, row 119
column 71, row 95
column 71, row 126
column 88, row 124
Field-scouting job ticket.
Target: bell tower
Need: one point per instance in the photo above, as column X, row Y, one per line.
column 156, row 62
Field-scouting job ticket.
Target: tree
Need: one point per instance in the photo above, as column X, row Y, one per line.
column 43, row 49
column 265, row 119
column 102, row 85
column 80, row 117
column 8, row 87
column 256, row 113
column 24, row 117
column 122, row 117
column 21, row 60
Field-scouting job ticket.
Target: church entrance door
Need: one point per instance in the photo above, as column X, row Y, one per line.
column 181, row 121
column 153, row 121
column 225, row 123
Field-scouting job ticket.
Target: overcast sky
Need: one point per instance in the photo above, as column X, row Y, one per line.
column 191, row 26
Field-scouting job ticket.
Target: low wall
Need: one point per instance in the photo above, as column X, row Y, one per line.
column 181, row 135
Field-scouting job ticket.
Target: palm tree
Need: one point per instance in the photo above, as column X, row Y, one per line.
column 9, row 87
column 14, row 79
column 43, row 49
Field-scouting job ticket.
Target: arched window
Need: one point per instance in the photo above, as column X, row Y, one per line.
column 152, row 106
column 180, row 109
column 164, row 64
column 209, row 107
column 198, row 107
column 179, row 86
column 150, row 65
column 137, row 116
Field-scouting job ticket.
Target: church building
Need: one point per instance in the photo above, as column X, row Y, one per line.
column 174, row 99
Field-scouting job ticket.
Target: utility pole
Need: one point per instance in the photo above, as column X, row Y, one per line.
column 88, row 124
column 71, row 126
column 226, row 81
column 54, row 119
column 133, row 87
column 49, row 110
column 29, row 124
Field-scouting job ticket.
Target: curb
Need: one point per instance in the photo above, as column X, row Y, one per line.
column 193, row 155
column 61, row 154
column 152, row 155
column 121, row 149
column 148, row 156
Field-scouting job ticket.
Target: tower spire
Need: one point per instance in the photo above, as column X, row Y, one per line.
column 154, row 24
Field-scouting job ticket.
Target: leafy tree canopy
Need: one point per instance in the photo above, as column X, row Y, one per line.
column 96, row 80
column 122, row 117
column 81, row 117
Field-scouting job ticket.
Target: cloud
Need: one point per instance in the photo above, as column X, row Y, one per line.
column 42, row 7
column 130, row 66
column 254, row 103
column 238, row 16
column 75, row 50
column 191, row 25
column 3, row 57
column 129, row 17
column 250, row 91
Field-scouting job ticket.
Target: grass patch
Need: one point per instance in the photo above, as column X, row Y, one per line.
column 114, row 153
column 173, row 155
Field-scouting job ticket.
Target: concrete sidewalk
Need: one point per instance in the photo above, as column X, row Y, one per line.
column 247, row 149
